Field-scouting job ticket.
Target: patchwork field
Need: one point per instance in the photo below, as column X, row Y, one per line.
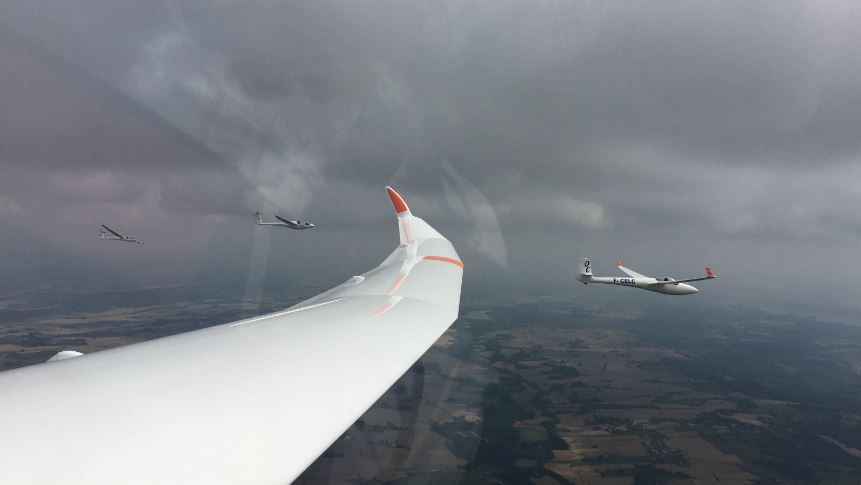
column 549, row 392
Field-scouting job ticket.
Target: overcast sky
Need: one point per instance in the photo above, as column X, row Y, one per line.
column 671, row 134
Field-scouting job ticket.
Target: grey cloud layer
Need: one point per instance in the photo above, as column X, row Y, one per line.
column 677, row 122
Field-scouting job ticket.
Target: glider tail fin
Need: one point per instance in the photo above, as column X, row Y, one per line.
column 584, row 273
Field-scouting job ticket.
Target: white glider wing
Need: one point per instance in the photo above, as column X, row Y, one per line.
column 709, row 276
column 250, row 402
column 629, row 272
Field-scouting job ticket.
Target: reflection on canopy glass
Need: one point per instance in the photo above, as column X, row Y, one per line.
column 443, row 336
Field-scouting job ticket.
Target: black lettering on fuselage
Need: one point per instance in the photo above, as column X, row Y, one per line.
column 625, row 281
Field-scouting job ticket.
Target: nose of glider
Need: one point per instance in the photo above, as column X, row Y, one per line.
column 685, row 289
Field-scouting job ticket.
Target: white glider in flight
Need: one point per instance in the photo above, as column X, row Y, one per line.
column 284, row 222
column 115, row 236
column 252, row 402
column 667, row 286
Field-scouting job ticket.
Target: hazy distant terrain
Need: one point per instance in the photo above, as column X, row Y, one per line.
column 552, row 390
column 36, row 324
column 549, row 392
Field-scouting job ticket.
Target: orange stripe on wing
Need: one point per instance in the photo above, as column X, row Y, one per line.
column 388, row 305
column 379, row 311
column 445, row 260
column 395, row 284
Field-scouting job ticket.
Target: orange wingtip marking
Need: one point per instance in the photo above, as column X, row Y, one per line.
column 397, row 201
column 618, row 262
column 445, row 260
column 709, row 271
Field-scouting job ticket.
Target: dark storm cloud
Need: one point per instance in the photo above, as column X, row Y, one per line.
column 669, row 123
column 69, row 139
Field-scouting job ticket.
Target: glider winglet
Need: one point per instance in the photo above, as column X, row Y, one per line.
column 404, row 216
column 410, row 227
column 397, row 202
column 709, row 272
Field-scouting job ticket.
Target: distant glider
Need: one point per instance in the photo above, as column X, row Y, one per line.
column 298, row 225
column 116, row 236
column 667, row 286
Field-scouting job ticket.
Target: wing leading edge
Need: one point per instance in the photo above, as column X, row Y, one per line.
column 254, row 401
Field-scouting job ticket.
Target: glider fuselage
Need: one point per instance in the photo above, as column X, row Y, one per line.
column 298, row 225
column 667, row 286
column 650, row 284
